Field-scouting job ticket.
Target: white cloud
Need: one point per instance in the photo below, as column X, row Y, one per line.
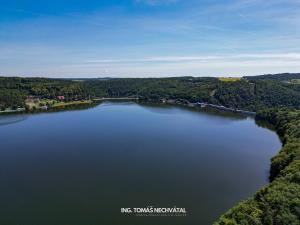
column 203, row 58
column 156, row 2
column 162, row 66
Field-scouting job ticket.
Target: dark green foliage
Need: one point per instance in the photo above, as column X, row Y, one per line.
column 278, row 77
column 188, row 88
column 239, row 94
column 245, row 213
column 12, row 98
column 275, row 94
column 257, row 95
column 14, row 90
column 288, row 153
column 242, row 94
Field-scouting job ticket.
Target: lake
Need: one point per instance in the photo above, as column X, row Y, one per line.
column 81, row 167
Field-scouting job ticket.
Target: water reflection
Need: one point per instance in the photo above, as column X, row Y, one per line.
column 164, row 109
column 11, row 119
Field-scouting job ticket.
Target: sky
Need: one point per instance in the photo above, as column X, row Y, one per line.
column 148, row 38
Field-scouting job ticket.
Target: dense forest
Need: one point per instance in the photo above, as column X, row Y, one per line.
column 246, row 93
column 278, row 77
column 275, row 98
column 14, row 90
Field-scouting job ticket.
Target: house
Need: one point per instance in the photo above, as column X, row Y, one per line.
column 61, row 97
column 32, row 98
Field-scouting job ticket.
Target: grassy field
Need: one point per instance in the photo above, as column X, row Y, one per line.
column 12, row 110
column 229, row 79
column 295, row 81
column 38, row 104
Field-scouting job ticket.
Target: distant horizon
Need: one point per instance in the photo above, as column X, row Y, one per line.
column 116, row 77
column 149, row 38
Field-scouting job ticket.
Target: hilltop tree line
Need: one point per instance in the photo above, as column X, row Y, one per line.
column 248, row 94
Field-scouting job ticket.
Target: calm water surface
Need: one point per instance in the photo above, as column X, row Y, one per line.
column 82, row 167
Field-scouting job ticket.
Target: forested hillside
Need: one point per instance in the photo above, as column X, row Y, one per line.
column 278, row 77
column 14, row 90
column 246, row 93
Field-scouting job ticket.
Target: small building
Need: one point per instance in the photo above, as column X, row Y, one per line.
column 32, row 98
column 61, row 97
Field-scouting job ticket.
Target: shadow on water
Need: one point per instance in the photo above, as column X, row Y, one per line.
column 73, row 107
column 110, row 102
column 269, row 126
column 161, row 108
column 153, row 107
column 265, row 124
column 8, row 119
column 11, row 119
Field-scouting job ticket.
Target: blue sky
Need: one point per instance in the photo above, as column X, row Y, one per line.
column 148, row 38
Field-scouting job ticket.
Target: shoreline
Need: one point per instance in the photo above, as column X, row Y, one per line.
column 61, row 107
column 75, row 104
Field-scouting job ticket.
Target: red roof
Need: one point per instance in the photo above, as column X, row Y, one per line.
column 61, row 97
